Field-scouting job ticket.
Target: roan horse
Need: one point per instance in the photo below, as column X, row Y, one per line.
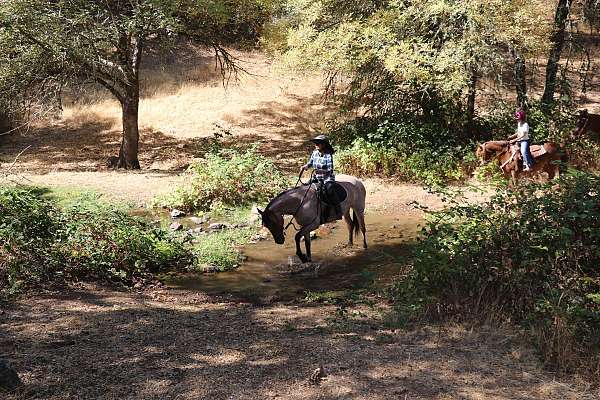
column 545, row 157
column 303, row 204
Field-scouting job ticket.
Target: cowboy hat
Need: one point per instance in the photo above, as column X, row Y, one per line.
column 323, row 139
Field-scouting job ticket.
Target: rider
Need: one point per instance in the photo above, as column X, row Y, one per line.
column 321, row 160
column 521, row 137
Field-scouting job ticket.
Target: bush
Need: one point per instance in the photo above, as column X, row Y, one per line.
column 219, row 249
column 531, row 255
column 41, row 243
column 547, row 123
column 409, row 150
column 227, row 177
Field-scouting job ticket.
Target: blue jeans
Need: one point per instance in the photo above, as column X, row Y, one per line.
column 527, row 160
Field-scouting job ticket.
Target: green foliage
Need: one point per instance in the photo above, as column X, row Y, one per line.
column 220, row 249
column 41, row 243
column 407, row 149
column 412, row 55
column 227, row 177
column 530, row 255
column 547, row 122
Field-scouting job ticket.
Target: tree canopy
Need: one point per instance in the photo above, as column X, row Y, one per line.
column 409, row 54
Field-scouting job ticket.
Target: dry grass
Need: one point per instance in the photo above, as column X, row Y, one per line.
column 183, row 104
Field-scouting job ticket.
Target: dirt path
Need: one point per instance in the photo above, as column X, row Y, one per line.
column 103, row 344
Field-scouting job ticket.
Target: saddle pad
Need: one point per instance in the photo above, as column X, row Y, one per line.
column 537, row 150
column 340, row 191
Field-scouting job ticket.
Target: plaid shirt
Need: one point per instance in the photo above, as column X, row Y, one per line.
column 322, row 161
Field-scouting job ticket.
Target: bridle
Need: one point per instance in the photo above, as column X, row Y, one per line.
column 308, row 186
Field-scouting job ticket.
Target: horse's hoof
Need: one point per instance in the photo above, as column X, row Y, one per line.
column 303, row 258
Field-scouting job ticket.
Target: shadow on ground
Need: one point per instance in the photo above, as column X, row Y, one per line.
column 106, row 344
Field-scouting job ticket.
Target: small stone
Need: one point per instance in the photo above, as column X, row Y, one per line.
column 313, row 235
column 175, row 226
column 196, row 231
column 175, row 213
column 9, row 379
column 217, row 226
column 197, row 221
column 209, row 269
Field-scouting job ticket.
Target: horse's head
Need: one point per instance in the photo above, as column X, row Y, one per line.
column 582, row 122
column 274, row 223
column 481, row 153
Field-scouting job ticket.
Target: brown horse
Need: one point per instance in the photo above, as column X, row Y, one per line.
column 545, row 157
column 303, row 204
column 587, row 123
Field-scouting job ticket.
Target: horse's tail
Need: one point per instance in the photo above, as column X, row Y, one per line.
column 355, row 224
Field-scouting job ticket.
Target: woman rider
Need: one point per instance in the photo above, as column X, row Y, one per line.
column 521, row 137
column 321, row 160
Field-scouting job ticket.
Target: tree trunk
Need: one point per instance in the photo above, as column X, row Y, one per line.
column 471, row 105
column 520, row 81
column 128, row 154
column 4, row 122
column 557, row 41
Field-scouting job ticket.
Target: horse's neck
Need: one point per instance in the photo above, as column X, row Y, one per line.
column 289, row 202
column 496, row 145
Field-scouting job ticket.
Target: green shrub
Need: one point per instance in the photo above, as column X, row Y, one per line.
column 229, row 177
column 553, row 123
column 220, row 249
column 41, row 243
column 408, row 150
column 530, row 255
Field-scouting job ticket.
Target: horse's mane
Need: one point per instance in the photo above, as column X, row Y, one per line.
column 285, row 192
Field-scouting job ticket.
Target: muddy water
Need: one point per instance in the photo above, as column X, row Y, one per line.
column 272, row 272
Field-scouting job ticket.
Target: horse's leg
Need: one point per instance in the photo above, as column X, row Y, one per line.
column 550, row 170
column 306, row 231
column 307, row 245
column 348, row 221
column 363, row 227
column 301, row 256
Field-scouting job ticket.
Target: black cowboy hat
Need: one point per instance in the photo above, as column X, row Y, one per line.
column 323, row 139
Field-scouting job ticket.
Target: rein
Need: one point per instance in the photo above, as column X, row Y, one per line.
column 308, row 184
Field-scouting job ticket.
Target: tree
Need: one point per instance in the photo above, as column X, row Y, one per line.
column 424, row 56
column 104, row 41
column 557, row 40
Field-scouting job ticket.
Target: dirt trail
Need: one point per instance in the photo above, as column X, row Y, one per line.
column 103, row 344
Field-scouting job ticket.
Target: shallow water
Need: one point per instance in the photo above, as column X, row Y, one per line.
column 272, row 272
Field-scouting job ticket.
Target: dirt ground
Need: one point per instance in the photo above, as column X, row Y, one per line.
column 93, row 342
column 97, row 343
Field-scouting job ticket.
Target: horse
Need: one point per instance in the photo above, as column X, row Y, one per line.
column 545, row 157
column 586, row 123
column 305, row 207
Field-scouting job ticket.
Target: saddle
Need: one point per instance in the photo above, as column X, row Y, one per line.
column 327, row 203
column 536, row 151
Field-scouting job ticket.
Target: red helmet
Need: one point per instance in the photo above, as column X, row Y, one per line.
column 520, row 115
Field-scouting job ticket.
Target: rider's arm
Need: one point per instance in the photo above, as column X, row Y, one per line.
column 308, row 164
